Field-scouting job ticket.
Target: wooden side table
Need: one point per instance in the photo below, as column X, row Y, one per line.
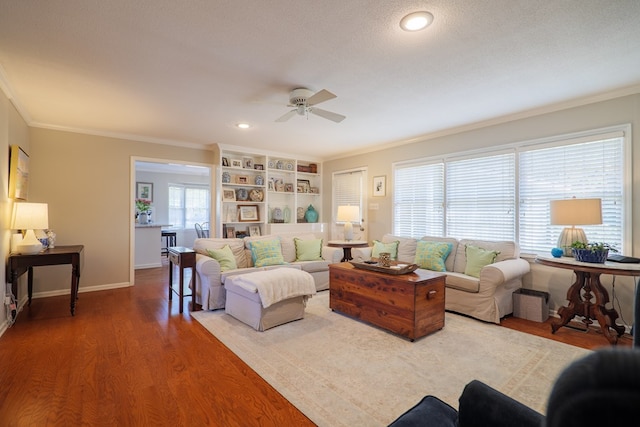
column 588, row 287
column 183, row 258
column 346, row 246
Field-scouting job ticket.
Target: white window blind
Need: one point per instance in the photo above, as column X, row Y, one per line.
column 481, row 198
column 418, row 200
column 583, row 170
column 188, row 205
column 348, row 190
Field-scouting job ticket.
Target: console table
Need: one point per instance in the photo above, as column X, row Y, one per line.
column 583, row 290
column 18, row 264
column 183, row 258
column 346, row 246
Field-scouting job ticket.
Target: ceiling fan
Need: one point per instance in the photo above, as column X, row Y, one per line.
column 304, row 101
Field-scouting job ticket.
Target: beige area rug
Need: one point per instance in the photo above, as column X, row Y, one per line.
column 341, row 372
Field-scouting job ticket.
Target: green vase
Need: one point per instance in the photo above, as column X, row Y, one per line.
column 311, row 215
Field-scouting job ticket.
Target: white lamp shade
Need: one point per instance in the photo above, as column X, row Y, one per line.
column 348, row 214
column 30, row 216
column 576, row 212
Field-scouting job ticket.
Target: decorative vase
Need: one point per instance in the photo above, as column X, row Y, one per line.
column 287, row 214
column 311, row 215
column 143, row 218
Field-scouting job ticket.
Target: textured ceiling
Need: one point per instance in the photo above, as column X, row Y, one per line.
column 188, row 71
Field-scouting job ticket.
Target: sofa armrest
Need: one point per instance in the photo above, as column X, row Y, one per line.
column 503, row 271
column 481, row 405
column 207, row 266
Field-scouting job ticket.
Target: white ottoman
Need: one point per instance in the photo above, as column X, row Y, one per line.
column 264, row 299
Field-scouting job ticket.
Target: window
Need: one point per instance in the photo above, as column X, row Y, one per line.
column 348, row 189
column 505, row 195
column 188, row 205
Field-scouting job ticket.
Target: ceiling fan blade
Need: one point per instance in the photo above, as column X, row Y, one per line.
column 334, row 117
column 318, row 97
column 287, row 116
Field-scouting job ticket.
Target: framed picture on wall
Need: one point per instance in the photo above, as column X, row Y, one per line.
column 380, row 185
column 144, row 191
column 18, row 173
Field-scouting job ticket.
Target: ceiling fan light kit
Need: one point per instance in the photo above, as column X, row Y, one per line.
column 303, row 102
column 416, row 21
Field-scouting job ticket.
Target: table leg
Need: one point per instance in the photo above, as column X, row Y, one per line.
column 170, row 280
column 75, row 284
column 346, row 254
column 29, row 284
column 181, row 290
column 581, row 305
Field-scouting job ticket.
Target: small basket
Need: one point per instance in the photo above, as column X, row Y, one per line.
column 587, row 255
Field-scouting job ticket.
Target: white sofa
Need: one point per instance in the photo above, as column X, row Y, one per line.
column 488, row 297
column 210, row 293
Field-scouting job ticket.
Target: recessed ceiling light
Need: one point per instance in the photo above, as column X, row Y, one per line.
column 243, row 125
column 416, row 21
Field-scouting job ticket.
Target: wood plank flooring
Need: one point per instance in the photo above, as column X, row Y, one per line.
column 129, row 358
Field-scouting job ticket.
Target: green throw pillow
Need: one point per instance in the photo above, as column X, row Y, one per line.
column 266, row 252
column 478, row 258
column 392, row 248
column 308, row 250
column 432, row 255
column 225, row 257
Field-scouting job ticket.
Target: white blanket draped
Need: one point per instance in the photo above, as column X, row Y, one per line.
column 276, row 285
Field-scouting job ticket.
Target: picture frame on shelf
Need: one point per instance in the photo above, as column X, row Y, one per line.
column 258, row 166
column 18, row 173
column 254, row 230
column 228, row 195
column 225, row 161
column 144, row 191
column 247, row 162
column 236, row 163
column 242, row 179
column 379, row 185
column 304, row 185
column 288, row 187
column 271, row 185
column 249, row 213
column 231, row 232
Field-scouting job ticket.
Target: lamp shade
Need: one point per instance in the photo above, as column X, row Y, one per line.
column 30, row 216
column 576, row 212
column 348, row 214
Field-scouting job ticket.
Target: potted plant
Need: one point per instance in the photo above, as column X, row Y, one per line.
column 144, row 209
column 596, row 252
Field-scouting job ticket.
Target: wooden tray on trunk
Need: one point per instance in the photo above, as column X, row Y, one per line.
column 395, row 268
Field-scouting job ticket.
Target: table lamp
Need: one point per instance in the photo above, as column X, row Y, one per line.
column 348, row 214
column 29, row 217
column 572, row 212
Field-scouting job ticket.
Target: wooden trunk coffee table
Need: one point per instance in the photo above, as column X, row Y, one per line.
column 410, row 305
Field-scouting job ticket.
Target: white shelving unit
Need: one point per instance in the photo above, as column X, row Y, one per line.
column 258, row 189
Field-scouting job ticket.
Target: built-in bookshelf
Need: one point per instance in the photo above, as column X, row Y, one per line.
column 258, row 189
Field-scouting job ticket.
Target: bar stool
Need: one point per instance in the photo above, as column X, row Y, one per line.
column 169, row 240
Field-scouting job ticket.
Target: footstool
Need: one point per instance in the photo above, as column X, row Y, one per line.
column 269, row 298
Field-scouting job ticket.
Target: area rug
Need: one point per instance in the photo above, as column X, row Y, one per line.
column 342, row 372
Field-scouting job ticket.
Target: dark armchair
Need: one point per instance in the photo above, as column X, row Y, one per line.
column 601, row 389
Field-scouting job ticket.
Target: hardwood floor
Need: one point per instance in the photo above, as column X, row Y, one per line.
column 129, row 358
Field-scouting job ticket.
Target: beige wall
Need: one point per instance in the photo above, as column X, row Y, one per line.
column 13, row 131
column 592, row 116
column 86, row 180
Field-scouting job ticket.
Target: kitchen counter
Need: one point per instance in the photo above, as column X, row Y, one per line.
column 148, row 245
